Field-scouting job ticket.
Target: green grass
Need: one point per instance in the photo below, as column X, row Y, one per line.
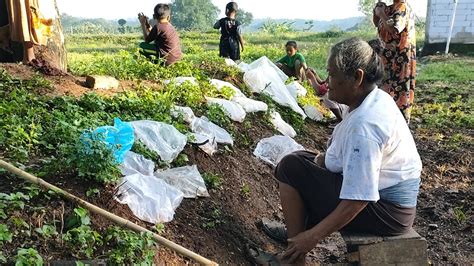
column 457, row 70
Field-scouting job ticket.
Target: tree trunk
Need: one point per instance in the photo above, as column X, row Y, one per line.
column 55, row 50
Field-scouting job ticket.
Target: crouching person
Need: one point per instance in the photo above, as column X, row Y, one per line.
column 166, row 44
column 367, row 180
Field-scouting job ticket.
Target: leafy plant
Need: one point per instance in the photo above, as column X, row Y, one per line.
column 47, row 231
column 212, row 181
column 5, row 234
column 82, row 240
column 27, row 257
column 245, row 190
column 130, row 247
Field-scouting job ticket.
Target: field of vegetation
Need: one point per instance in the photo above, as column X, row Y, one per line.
column 43, row 117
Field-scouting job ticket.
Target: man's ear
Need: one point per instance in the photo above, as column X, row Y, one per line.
column 359, row 77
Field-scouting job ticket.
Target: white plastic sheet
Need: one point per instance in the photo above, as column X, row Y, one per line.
column 230, row 62
column 135, row 163
column 162, row 138
column 151, row 199
column 233, row 110
column 244, row 67
column 296, row 89
column 272, row 150
column 263, row 77
column 250, row 105
column 280, row 125
column 313, row 113
column 208, row 144
column 265, row 61
column 186, row 112
column 180, row 80
column 205, row 127
column 187, row 179
column 219, row 84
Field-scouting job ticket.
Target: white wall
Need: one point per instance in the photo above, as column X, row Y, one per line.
column 439, row 18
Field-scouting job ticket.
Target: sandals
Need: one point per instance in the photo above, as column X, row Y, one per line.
column 275, row 230
column 260, row 257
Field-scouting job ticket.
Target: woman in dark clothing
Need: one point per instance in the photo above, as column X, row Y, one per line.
column 231, row 36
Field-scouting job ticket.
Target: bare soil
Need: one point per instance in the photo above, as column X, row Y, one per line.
column 219, row 227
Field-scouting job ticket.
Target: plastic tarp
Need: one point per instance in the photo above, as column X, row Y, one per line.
column 186, row 112
column 280, row 125
column 250, row 105
column 187, row 179
column 162, row 138
column 134, row 163
column 265, row 61
column 233, row 110
column 151, row 199
column 219, row 84
column 208, row 144
column 212, row 131
column 313, row 113
column 296, row 89
column 272, row 150
column 263, row 77
column 118, row 138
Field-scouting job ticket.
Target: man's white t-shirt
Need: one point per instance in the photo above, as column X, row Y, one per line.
column 374, row 150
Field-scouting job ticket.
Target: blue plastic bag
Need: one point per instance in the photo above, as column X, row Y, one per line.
column 119, row 138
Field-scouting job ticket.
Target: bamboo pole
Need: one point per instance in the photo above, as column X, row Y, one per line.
column 110, row 216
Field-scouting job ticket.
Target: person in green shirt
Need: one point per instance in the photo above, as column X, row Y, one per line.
column 293, row 63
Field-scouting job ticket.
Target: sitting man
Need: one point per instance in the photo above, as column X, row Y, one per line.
column 167, row 45
column 293, row 64
column 368, row 179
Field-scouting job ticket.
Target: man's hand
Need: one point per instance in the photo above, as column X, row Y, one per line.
column 142, row 18
column 298, row 246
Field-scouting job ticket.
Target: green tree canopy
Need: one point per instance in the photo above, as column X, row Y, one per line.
column 244, row 17
column 366, row 6
column 193, row 14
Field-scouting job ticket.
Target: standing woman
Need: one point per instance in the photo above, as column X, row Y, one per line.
column 396, row 29
column 231, row 33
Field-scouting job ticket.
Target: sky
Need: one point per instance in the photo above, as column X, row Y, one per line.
column 289, row 9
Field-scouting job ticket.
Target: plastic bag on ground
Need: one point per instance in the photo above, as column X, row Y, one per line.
column 264, row 79
column 233, row 110
column 230, row 62
column 280, row 125
column 151, row 199
column 162, row 138
column 219, row 84
column 180, row 80
column 134, row 163
column 244, row 67
column 187, row 179
column 205, row 143
column 250, row 105
column 296, row 89
column 272, row 150
column 313, row 113
column 205, row 127
column 264, row 61
column 186, row 112
column 119, row 138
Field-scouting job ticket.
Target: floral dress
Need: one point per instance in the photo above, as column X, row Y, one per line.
column 399, row 56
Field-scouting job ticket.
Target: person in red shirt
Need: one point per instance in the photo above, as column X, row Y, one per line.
column 166, row 45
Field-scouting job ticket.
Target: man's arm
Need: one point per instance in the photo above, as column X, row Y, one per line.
column 146, row 28
column 304, row 242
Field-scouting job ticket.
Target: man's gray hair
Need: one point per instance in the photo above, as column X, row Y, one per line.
column 353, row 54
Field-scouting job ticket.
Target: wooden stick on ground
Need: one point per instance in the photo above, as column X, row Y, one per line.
column 110, row 216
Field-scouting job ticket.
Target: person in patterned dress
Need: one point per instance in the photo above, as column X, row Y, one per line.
column 396, row 30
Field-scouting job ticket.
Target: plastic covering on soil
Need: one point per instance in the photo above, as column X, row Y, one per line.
column 187, row 179
column 272, row 150
column 162, row 138
column 281, row 126
column 265, row 77
column 233, row 110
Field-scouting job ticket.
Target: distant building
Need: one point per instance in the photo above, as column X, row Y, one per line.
column 438, row 23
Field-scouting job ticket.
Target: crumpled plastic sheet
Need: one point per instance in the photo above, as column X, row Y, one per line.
column 272, row 150
column 281, row 126
column 180, row 80
column 134, row 163
column 205, row 127
column 233, row 110
column 151, row 199
column 186, row 112
column 296, row 89
column 187, row 179
column 160, row 137
column 264, row 78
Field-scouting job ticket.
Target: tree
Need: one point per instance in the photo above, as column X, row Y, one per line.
column 244, row 17
column 122, row 23
column 366, row 7
column 193, row 14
